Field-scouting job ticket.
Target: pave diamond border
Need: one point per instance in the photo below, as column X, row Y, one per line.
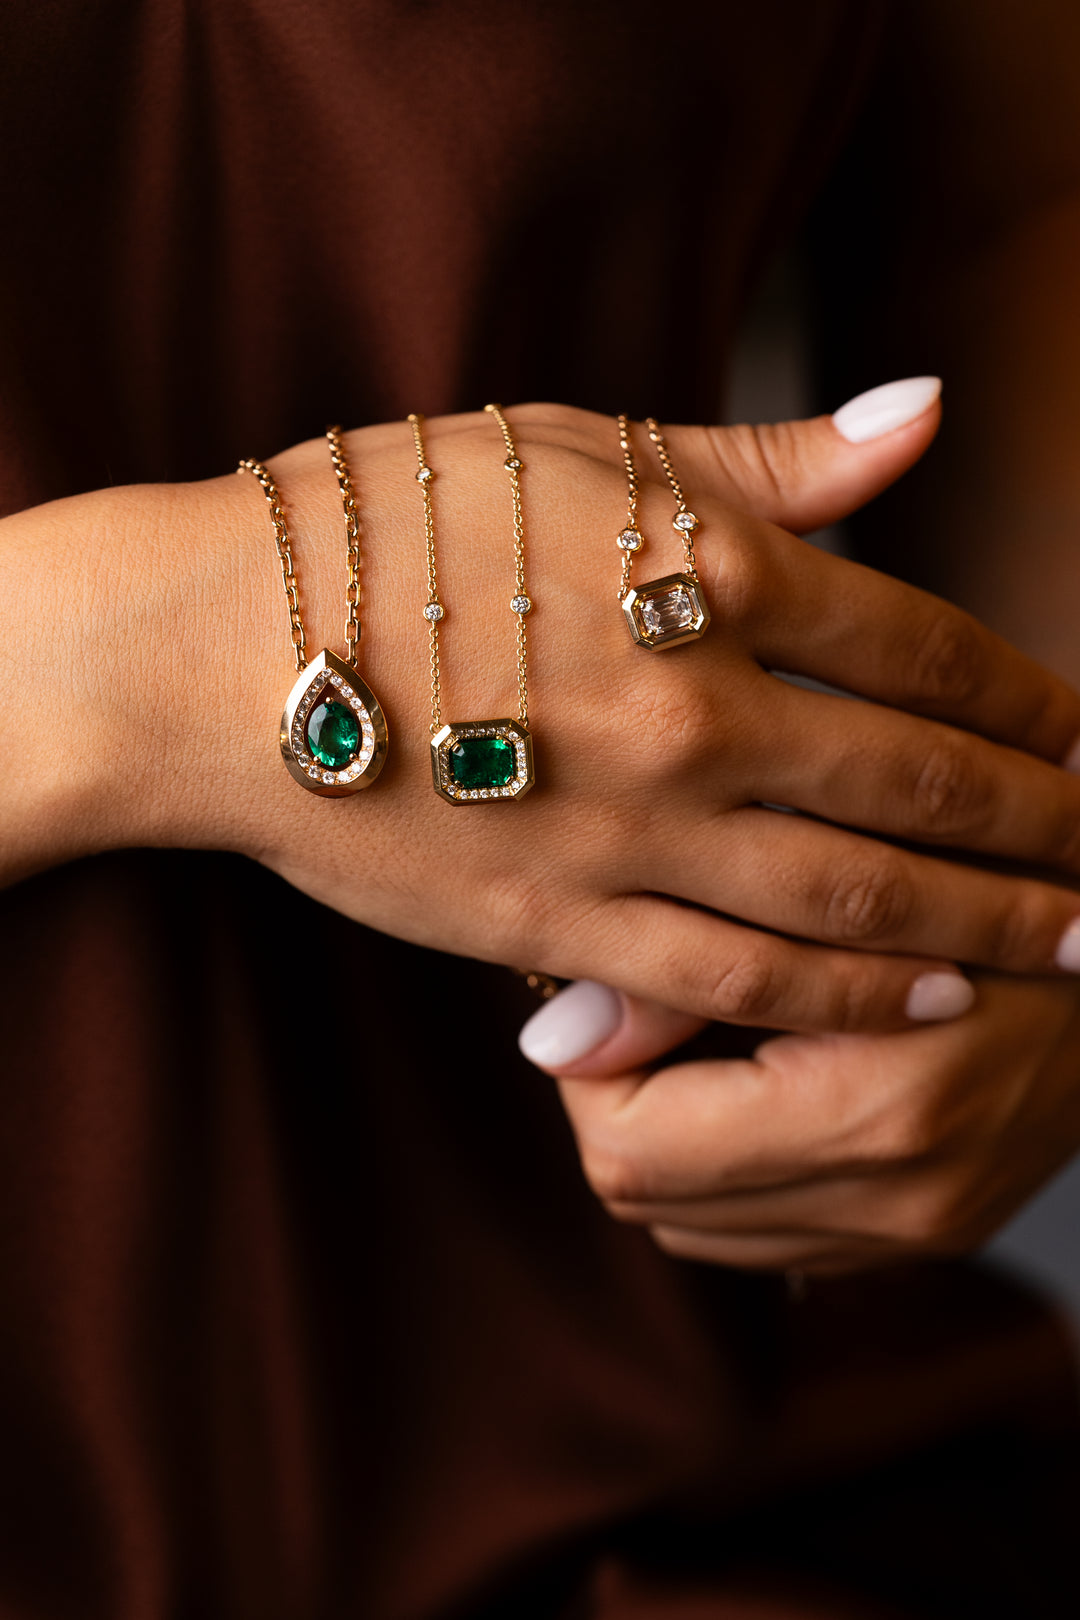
column 511, row 731
column 632, row 605
column 327, row 674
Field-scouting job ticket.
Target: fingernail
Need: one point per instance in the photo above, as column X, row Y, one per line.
column 1071, row 762
column 880, row 410
column 936, row 997
column 1067, row 955
column 571, row 1024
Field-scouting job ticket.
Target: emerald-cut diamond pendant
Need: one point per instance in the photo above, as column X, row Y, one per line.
column 333, row 730
column 666, row 611
column 476, row 760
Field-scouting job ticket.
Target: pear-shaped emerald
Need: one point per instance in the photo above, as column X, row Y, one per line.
column 333, row 735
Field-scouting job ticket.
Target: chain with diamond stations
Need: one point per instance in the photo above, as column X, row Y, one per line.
column 520, row 603
column 433, row 610
column 684, row 521
column 284, row 551
column 630, row 540
column 352, row 541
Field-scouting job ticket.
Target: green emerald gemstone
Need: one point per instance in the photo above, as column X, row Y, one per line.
column 482, row 762
column 333, row 735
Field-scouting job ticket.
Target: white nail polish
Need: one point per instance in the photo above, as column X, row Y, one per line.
column 881, row 410
column 1067, row 955
column 934, row 998
column 570, row 1024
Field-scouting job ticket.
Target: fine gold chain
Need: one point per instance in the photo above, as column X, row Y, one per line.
column 631, row 539
column 519, row 603
column 684, row 522
column 433, row 610
column 352, row 540
column 284, row 551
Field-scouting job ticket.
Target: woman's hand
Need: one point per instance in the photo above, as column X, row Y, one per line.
column 825, row 1152
column 644, row 857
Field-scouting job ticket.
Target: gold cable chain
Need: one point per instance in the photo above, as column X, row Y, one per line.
column 685, row 533
column 514, row 467
column 434, row 610
column 284, row 551
column 352, row 541
column 631, row 528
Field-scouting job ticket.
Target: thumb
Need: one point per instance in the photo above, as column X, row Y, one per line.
column 589, row 1029
column 805, row 475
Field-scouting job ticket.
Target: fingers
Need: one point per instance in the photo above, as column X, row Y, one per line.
column 713, row 969
column 800, row 610
column 804, row 475
column 872, row 767
column 826, row 1152
column 823, row 883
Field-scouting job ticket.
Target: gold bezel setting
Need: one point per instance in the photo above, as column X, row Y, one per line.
column 511, row 731
column 328, row 673
column 634, row 601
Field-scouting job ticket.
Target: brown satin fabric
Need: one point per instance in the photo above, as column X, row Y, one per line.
column 285, row 1345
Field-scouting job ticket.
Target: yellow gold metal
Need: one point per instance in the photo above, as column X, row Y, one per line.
column 329, row 677
column 695, row 610
column 510, row 731
column 514, row 731
column 664, row 611
column 352, row 543
column 326, row 676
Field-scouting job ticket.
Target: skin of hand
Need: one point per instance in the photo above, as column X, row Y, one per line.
column 828, row 1153
column 646, row 851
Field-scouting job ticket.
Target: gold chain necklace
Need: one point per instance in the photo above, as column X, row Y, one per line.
column 673, row 608
column 477, row 760
column 333, row 730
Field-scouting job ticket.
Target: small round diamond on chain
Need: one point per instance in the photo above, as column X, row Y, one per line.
column 629, row 540
column 433, row 612
column 512, row 464
column 687, row 521
column 425, row 475
column 520, row 604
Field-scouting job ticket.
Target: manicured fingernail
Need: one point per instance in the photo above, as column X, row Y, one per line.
column 936, row 997
column 880, row 410
column 1067, row 955
column 570, row 1024
column 1071, row 761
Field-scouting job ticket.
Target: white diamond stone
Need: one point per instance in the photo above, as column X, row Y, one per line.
column 512, row 464
column 629, row 540
column 425, row 475
column 336, row 680
column 686, row 521
column 434, row 612
column 520, row 604
column 668, row 611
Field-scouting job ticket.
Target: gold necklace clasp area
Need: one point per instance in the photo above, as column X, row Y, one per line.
column 476, row 761
column 673, row 608
column 333, row 735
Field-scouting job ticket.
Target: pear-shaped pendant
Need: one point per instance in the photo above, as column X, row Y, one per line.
column 333, row 730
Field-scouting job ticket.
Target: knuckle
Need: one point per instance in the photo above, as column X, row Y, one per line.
column 1012, row 937
column 616, row 1177
column 950, row 794
column 747, row 990
column 947, row 662
column 868, row 903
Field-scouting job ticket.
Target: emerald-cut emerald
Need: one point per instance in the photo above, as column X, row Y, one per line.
column 482, row 762
column 333, row 735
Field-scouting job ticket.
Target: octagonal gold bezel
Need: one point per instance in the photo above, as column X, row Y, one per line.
column 512, row 731
column 637, row 595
